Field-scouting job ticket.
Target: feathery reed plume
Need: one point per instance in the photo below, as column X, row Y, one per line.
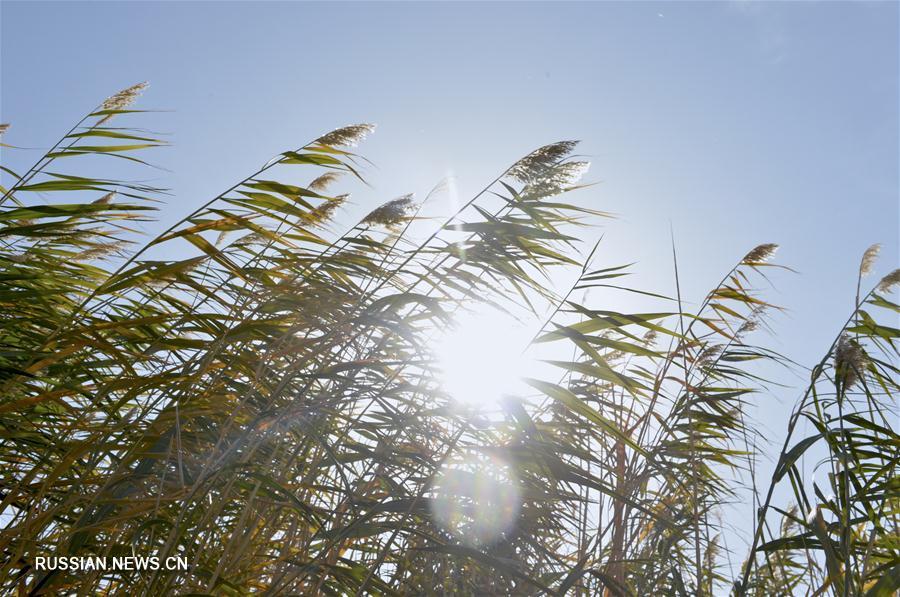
column 849, row 361
column 812, row 514
column 3, row 128
column 322, row 182
column 572, row 172
column 251, row 239
column 752, row 321
column 538, row 161
column 318, row 216
column 557, row 179
column 105, row 199
column 709, row 354
column 868, row 259
column 121, row 100
column 347, row 136
column 124, row 98
column 391, row 213
column 101, row 250
column 760, row 254
column 748, row 326
column 789, row 522
column 889, row 281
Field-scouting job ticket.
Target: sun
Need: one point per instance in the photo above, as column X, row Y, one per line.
column 480, row 358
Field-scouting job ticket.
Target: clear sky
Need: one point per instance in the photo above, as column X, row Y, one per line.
column 738, row 123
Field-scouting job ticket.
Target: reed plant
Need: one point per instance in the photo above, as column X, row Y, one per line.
column 255, row 390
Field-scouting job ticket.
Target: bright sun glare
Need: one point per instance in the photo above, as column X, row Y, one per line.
column 481, row 358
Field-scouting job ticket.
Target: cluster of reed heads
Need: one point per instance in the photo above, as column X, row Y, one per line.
column 254, row 390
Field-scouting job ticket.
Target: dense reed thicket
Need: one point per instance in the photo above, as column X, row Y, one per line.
column 255, row 390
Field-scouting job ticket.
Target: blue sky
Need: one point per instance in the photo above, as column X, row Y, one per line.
column 737, row 123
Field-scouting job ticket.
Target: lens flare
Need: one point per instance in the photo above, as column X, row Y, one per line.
column 477, row 501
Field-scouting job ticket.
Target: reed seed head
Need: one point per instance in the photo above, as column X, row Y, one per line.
column 323, row 213
column 709, row 354
column 535, row 164
column 392, row 213
column 889, row 281
column 100, row 251
column 347, row 136
column 321, row 183
column 105, row 199
column 868, row 259
column 124, row 98
column 752, row 322
column 760, row 254
column 849, row 361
